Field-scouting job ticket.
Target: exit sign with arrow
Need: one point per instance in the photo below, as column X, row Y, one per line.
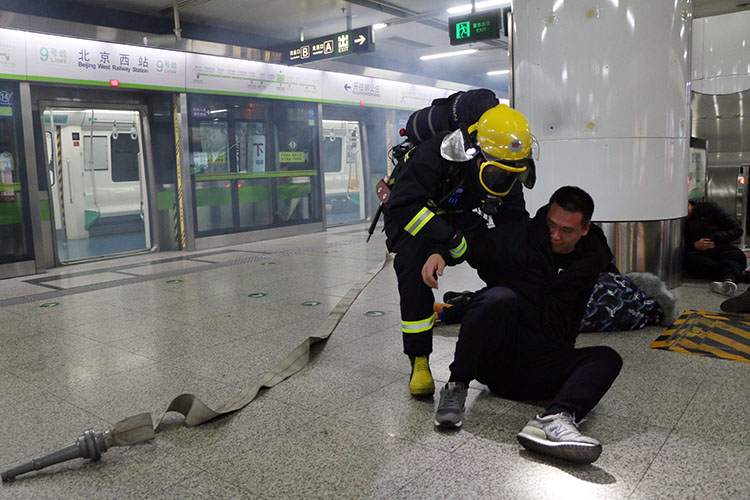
column 325, row 47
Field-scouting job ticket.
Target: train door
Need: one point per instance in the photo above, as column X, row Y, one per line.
column 341, row 158
column 97, row 180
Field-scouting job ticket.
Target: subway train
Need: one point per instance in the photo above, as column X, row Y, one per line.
column 136, row 167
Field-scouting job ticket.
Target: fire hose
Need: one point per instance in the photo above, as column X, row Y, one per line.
column 138, row 428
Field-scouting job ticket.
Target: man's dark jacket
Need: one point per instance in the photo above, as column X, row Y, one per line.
column 552, row 301
column 711, row 221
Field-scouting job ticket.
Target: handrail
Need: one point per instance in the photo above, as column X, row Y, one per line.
column 255, row 175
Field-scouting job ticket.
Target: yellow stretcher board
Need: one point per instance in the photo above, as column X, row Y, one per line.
column 716, row 335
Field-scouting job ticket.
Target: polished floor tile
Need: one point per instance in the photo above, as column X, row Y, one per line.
column 330, row 459
column 690, row 466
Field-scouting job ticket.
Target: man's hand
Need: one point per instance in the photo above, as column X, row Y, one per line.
column 432, row 269
column 704, row 244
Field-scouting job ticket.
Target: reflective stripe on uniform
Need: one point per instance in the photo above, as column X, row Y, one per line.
column 458, row 251
column 418, row 326
column 440, row 211
column 418, row 222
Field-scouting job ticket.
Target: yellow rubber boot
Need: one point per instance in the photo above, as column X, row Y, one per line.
column 421, row 383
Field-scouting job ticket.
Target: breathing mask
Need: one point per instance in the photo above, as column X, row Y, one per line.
column 508, row 149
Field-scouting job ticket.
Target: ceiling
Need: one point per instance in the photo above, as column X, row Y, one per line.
column 397, row 47
column 417, row 27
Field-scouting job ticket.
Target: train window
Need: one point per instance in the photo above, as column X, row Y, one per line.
column 125, row 151
column 331, row 156
column 100, row 159
column 249, row 146
column 212, row 157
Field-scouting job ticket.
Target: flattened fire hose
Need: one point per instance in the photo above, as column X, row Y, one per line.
column 141, row 427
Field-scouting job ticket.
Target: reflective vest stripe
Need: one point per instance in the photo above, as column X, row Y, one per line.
column 458, row 251
column 418, row 326
column 440, row 211
column 418, row 222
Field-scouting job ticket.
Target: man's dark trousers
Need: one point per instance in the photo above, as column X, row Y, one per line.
column 716, row 264
column 523, row 365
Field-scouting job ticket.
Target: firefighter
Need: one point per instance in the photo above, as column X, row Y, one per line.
column 432, row 203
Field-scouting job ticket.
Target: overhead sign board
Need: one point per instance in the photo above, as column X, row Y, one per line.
column 76, row 61
column 472, row 28
column 94, row 62
column 338, row 44
column 12, row 54
column 213, row 73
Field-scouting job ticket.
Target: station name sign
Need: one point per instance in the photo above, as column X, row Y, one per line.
column 472, row 28
column 338, row 44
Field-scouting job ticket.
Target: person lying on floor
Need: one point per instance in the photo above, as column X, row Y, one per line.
column 619, row 302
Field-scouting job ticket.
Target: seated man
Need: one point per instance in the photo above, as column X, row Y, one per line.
column 709, row 253
column 518, row 334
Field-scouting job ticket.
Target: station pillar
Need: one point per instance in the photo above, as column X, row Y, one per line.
column 606, row 89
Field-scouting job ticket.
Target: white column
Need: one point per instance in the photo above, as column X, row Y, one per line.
column 606, row 88
column 721, row 54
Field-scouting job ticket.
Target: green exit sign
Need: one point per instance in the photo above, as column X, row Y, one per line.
column 472, row 28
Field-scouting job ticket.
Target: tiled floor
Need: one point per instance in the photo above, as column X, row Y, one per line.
column 127, row 337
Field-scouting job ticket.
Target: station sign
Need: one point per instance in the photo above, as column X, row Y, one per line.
column 472, row 28
column 95, row 62
column 338, row 44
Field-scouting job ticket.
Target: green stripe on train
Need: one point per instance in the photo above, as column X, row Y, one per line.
column 255, row 175
column 165, row 200
column 11, row 212
column 211, row 197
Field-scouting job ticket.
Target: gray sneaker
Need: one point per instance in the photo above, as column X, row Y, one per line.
column 558, row 436
column 450, row 410
column 726, row 287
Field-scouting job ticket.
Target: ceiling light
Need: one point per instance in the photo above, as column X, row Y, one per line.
column 449, row 54
column 498, row 72
column 379, row 26
column 465, row 9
